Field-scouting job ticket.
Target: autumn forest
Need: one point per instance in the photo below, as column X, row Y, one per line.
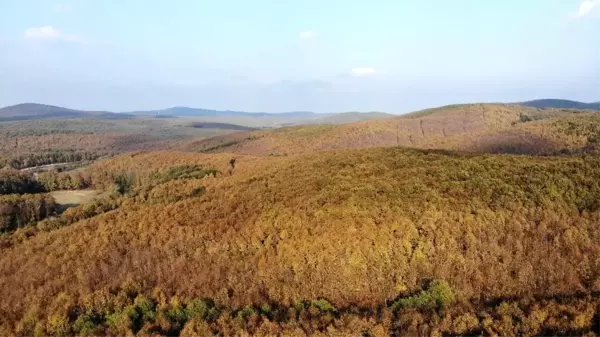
column 477, row 219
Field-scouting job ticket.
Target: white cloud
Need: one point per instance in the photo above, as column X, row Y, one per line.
column 586, row 7
column 363, row 71
column 48, row 33
column 307, row 35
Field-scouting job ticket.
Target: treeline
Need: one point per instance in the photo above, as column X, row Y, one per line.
column 80, row 212
column 168, row 185
column 40, row 127
column 50, row 221
column 52, row 180
column 117, row 174
column 173, row 184
column 24, row 210
column 165, row 186
column 23, row 202
column 14, row 182
column 131, row 311
column 52, row 157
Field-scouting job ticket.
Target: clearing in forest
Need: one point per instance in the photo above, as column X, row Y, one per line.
column 67, row 199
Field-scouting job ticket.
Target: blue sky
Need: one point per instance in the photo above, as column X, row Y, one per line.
column 282, row 55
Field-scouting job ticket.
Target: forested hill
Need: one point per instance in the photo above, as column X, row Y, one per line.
column 490, row 128
column 391, row 241
column 561, row 104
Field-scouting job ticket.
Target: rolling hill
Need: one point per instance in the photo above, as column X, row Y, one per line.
column 470, row 127
column 561, row 104
column 31, row 111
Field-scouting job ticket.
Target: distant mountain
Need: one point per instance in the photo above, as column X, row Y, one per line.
column 27, row 111
column 265, row 118
column 251, row 120
column 560, row 104
column 195, row 112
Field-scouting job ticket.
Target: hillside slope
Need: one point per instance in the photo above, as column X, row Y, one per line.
column 472, row 127
column 356, row 227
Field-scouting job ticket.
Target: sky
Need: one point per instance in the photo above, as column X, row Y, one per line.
column 394, row 56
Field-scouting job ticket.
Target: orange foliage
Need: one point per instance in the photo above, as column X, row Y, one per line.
column 358, row 228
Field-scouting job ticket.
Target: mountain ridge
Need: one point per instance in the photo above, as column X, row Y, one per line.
column 29, row 111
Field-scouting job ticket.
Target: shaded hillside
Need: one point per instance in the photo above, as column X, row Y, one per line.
column 561, row 104
column 306, row 240
column 28, row 111
column 457, row 127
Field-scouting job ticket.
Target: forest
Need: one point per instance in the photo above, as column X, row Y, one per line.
column 306, row 231
column 30, row 143
column 23, row 210
column 441, row 243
